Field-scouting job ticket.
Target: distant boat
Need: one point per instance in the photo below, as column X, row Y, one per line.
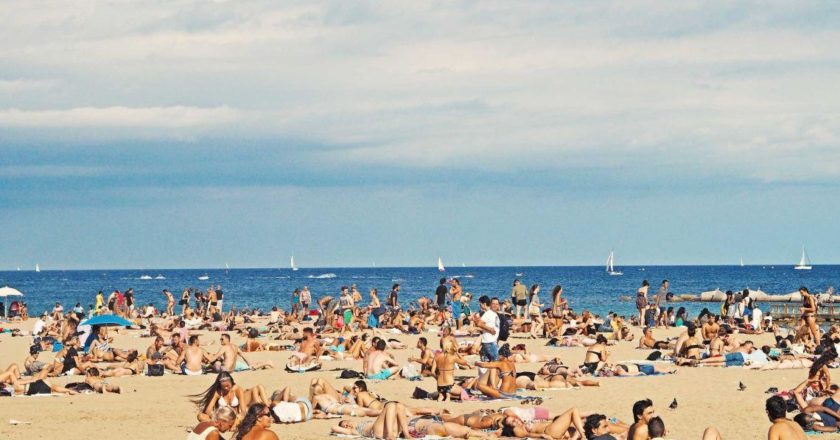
column 18, row 268
column 463, row 265
column 292, row 264
column 145, row 277
column 37, row 268
column 610, row 262
column 204, row 277
column 804, row 262
column 742, row 261
column 519, row 274
column 440, row 265
column 160, row 277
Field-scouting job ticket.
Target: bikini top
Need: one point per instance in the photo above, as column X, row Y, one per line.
column 233, row 403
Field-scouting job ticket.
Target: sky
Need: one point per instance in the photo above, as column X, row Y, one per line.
column 177, row 134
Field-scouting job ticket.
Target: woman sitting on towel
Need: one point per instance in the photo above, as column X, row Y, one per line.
column 222, row 421
column 557, row 428
column 225, row 392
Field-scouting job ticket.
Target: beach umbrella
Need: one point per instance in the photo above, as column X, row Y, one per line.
column 98, row 321
column 7, row 291
column 107, row 320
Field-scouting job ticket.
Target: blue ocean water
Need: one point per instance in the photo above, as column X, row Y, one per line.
column 585, row 287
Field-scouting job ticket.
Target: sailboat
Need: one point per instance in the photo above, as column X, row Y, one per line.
column 37, row 268
column 742, row 261
column 292, row 264
column 610, row 261
column 440, row 265
column 804, row 262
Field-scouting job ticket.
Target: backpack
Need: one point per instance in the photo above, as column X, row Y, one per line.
column 504, row 327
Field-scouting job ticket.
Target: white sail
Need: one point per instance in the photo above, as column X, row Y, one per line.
column 440, row 265
column 804, row 261
column 611, row 263
column 742, row 261
column 37, row 268
column 227, row 267
column 292, row 263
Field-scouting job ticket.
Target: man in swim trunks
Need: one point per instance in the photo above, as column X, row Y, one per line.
column 380, row 365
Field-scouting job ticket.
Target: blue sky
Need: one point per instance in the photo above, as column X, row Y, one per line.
column 190, row 134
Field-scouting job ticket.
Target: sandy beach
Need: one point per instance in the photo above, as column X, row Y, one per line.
column 159, row 407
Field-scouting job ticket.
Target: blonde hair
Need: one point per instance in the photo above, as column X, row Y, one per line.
column 449, row 346
column 224, row 414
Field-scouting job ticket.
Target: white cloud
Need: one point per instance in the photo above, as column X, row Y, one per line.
column 24, row 85
column 119, row 116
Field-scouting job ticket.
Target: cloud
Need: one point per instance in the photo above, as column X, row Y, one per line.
column 24, row 85
column 120, row 116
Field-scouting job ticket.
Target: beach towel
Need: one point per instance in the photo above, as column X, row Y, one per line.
column 313, row 366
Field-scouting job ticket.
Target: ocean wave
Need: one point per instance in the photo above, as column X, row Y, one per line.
column 323, row 276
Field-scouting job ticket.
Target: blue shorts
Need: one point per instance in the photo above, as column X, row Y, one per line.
column 647, row 369
column 456, row 310
column 734, row 359
column 489, row 352
column 382, row 375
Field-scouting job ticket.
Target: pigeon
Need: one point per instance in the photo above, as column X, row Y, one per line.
column 673, row 404
column 741, row 386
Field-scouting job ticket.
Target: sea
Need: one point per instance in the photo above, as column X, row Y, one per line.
column 585, row 287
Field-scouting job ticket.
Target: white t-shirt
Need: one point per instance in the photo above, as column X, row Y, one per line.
column 38, row 327
column 756, row 318
column 490, row 319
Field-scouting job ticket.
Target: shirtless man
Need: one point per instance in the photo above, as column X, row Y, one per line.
column 310, row 349
column 192, row 358
column 718, row 344
column 425, row 360
column 642, row 413
column 710, row 329
column 782, row 428
column 380, row 365
column 227, row 359
column 158, row 348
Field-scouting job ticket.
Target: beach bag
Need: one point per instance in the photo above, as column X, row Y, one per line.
column 641, row 302
column 420, row 393
column 504, row 327
column 350, row 374
column 409, row 371
column 655, row 356
column 155, row 370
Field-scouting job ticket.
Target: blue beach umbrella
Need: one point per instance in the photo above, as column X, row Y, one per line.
column 99, row 321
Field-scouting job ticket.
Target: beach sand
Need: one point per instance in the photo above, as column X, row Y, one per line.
column 159, row 407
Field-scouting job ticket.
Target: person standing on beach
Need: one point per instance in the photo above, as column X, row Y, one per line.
column 488, row 322
column 519, row 297
column 642, row 301
column 659, row 303
column 295, row 301
column 782, row 428
column 440, row 294
column 456, row 291
column 394, row 297
column 305, row 300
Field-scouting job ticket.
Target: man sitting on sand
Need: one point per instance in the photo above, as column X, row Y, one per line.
column 642, row 413
column 380, row 365
column 657, row 431
column 782, row 428
column 230, row 359
column 308, row 351
column 192, row 358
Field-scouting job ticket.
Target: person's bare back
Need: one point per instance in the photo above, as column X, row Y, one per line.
column 784, row 429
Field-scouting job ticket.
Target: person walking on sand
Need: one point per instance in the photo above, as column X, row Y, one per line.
column 488, row 322
column 642, row 301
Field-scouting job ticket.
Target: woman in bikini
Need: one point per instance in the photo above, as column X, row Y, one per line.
column 557, row 428
column 503, row 370
column 131, row 367
column 443, row 369
column 596, row 355
column 809, row 311
column 642, row 301
column 553, row 375
column 225, row 392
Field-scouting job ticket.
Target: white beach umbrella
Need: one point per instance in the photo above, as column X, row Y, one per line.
column 7, row 291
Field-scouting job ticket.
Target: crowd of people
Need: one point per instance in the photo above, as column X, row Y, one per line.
column 471, row 338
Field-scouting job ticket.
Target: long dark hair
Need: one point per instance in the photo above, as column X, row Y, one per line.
column 825, row 358
column 202, row 400
column 254, row 413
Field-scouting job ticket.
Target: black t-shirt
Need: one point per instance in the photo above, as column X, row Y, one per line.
column 220, row 295
column 129, row 299
column 70, row 359
column 441, row 294
column 392, row 299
